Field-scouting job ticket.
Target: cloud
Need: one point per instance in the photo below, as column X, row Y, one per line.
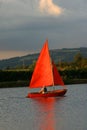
column 47, row 6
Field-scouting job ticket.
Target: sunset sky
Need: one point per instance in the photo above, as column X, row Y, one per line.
column 26, row 24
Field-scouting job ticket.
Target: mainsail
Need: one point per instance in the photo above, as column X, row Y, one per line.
column 42, row 75
column 45, row 72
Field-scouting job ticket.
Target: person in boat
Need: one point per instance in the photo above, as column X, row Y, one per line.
column 43, row 90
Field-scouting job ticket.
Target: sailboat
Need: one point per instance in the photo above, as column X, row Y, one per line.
column 46, row 74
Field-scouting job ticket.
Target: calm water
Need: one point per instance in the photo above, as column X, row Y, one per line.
column 66, row 113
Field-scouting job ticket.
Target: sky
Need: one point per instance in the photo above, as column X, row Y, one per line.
column 26, row 24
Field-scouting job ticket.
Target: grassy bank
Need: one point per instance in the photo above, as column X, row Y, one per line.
column 76, row 81
column 17, row 78
column 12, row 84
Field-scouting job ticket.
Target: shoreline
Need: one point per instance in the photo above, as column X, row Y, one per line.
column 15, row 84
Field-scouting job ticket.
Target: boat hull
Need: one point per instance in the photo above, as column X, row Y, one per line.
column 55, row 93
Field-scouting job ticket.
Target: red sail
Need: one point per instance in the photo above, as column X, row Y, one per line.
column 42, row 75
column 57, row 78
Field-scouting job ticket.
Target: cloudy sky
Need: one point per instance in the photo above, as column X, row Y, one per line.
column 26, row 24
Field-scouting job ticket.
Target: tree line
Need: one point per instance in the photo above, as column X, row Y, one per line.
column 77, row 69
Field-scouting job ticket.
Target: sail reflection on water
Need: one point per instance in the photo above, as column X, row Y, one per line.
column 46, row 113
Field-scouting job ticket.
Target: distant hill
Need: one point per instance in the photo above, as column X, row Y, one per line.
column 65, row 54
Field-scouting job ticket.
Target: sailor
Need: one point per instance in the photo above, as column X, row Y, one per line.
column 43, row 90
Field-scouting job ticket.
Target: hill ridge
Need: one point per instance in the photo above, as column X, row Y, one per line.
column 64, row 54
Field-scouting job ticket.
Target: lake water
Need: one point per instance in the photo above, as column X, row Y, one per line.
column 64, row 113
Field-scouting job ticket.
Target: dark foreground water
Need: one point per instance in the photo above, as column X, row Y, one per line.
column 65, row 113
